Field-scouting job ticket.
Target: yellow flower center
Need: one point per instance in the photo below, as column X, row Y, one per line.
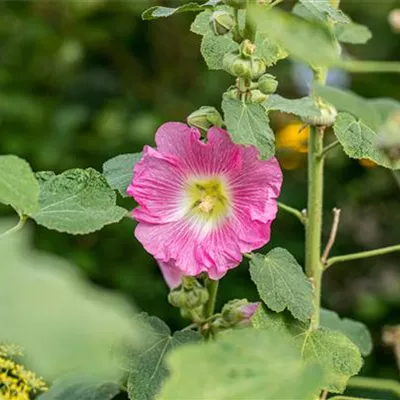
column 208, row 198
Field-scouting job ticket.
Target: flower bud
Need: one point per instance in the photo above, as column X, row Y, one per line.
column 240, row 67
column 221, row 22
column 238, row 312
column 204, row 118
column 394, row 20
column 247, row 49
column 256, row 96
column 235, row 3
column 267, row 84
column 190, row 295
column 389, row 137
column 176, row 298
column 326, row 118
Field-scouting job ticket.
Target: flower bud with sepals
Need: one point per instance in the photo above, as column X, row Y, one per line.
column 242, row 67
column 204, row 118
column 238, row 312
column 221, row 22
column 267, row 84
column 190, row 295
column 256, row 96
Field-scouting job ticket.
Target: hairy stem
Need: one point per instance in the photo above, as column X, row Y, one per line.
column 212, row 287
column 15, row 228
column 328, row 148
column 375, row 384
column 298, row 214
column 362, row 254
column 332, row 236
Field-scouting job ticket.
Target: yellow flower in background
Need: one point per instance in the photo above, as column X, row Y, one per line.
column 365, row 162
column 291, row 145
column 17, row 383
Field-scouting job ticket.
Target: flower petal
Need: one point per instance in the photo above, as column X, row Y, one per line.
column 172, row 275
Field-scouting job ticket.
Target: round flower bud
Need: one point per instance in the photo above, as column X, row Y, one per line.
column 247, row 49
column 221, row 22
column 204, row 118
column 256, row 96
column 258, row 67
column 176, row 298
column 327, row 117
column 238, row 312
column 267, row 84
column 235, row 3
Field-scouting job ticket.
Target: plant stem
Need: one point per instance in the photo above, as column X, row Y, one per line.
column 298, row 214
column 347, row 398
column 332, row 236
column 15, row 228
column 362, row 254
column 328, row 148
column 375, row 384
column 314, row 212
column 212, row 287
column 369, row 66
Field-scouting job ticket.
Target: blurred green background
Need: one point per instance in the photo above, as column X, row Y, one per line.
column 82, row 81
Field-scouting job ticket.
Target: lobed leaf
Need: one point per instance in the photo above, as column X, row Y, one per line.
column 118, row 171
column 303, row 107
column 82, row 388
column 281, row 283
column 240, row 364
column 352, row 33
column 18, row 185
column 356, row 331
column 149, row 369
column 161, row 12
column 77, row 201
column 296, row 35
column 248, row 124
column 213, row 48
column 268, row 50
column 322, row 9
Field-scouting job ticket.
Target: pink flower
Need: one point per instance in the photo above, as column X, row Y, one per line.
column 202, row 204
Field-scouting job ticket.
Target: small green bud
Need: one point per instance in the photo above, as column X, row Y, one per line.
column 235, row 3
column 258, row 68
column 267, row 84
column 247, row 68
column 221, row 22
column 327, row 117
column 256, row 96
column 176, row 298
column 204, row 118
column 247, row 49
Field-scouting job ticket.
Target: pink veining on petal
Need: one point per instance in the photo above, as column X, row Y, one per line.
column 248, row 310
column 167, row 228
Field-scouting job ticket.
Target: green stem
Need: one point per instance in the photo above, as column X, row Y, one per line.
column 362, row 254
column 375, row 384
column 15, row 228
column 298, row 214
column 328, row 148
column 212, row 287
column 249, row 32
column 369, row 66
column 347, row 398
column 314, row 213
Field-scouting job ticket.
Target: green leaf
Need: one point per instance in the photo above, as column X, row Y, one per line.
column 281, row 283
column 201, row 24
column 18, row 185
column 240, row 364
column 303, row 107
column 77, row 201
column 159, row 12
column 213, row 48
column 82, row 388
column 357, row 332
column 118, row 171
column 300, row 38
column 249, row 124
column 63, row 323
column 352, row 33
column 360, row 141
column 268, row 50
column 149, row 370
column 336, row 354
column 321, row 9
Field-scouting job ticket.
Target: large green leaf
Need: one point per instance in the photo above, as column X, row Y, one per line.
column 213, row 48
column 357, row 332
column 63, row 323
column 118, row 171
column 352, row 33
column 201, row 24
column 360, row 141
column 77, row 201
column 322, row 9
column 81, row 388
column 159, row 12
column 304, row 107
column 337, row 355
column 18, row 185
column 149, row 369
column 240, row 364
column 249, row 124
column 300, row 38
column 281, row 283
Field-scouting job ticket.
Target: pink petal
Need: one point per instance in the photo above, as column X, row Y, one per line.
column 171, row 274
column 248, row 310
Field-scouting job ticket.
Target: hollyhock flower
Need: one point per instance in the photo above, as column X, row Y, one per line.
column 202, row 204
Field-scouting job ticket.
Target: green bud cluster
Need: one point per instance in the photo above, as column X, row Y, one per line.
column 189, row 296
column 204, row 118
